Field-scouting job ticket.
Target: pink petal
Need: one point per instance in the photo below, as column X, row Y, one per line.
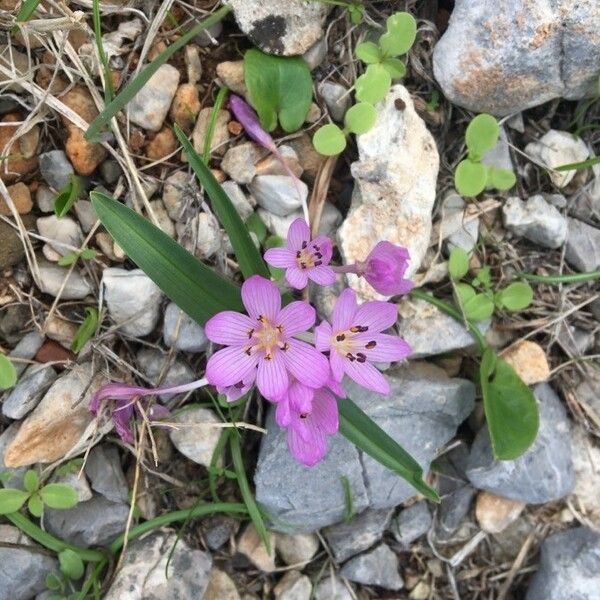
column 367, row 375
column 322, row 275
column 376, row 315
column 298, row 233
column 296, row 278
column 336, row 388
column 336, row 362
column 325, row 411
column 122, row 422
column 323, row 336
column 271, row 378
column 281, row 258
column 235, row 392
column 342, row 317
column 249, row 120
column 308, row 452
column 306, row 364
column 229, row 328
column 389, row 348
column 296, row 317
column 261, row 297
column 300, row 397
column 282, row 413
column 325, row 246
column 230, row 366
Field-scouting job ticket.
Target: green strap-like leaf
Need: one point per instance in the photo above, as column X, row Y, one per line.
column 366, row 435
column 249, row 258
column 198, row 290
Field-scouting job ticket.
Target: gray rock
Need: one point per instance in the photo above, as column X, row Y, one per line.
column 316, row 54
column 293, row 586
column 27, row 348
column 182, row 332
column 378, row 567
column 133, row 300
column 29, row 390
column 583, row 246
column 149, row 107
column 239, row 162
column 569, row 567
column 152, row 362
column 218, row 530
column 86, row 215
column 78, row 482
column 44, row 198
column 64, row 234
column 178, row 193
column 6, row 439
column 239, row 199
column 281, row 28
column 535, row 220
column 585, row 204
column 457, row 228
column 332, row 588
column 195, row 438
column 143, row 574
column 208, row 36
column 278, row 193
column 55, row 168
column 419, row 319
column 330, row 221
column 505, row 57
column 424, row 405
column 201, row 235
column 411, row 523
column 14, row 320
column 452, row 511
column 544, row 473
column 336, row 98
column 296, row 549
column 358, row 534
column 96, row 522
column 103, row 467
column 52, row 277
column 23, row 571
column 110, row 171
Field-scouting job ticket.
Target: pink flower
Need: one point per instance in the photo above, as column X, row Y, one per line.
column 234, row 392
column 261, row 345
column 354, row 340
column 304, row 259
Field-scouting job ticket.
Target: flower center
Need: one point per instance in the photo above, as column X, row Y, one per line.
column 267, row 337
column 344, row 343
column 307, row 258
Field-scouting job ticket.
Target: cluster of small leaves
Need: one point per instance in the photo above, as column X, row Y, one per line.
column 477, row 299
column 383, row 66
column 356, row 10
column 72, row 568
column 52, row 495
column 471, row 177
column 69, row 259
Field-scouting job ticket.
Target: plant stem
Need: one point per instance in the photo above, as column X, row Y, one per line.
column 109, row 92
column 210, row 131
column 573, row 278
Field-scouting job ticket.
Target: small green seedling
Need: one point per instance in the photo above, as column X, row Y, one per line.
column 52, row 495
column 477, row 299
column 86, row 330
column 8, row 373
column 69, row 259
column 67, row 196
column 471, row 177
column 356, row 10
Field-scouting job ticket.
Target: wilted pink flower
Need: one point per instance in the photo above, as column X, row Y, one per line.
column 261, row 345
column 354, row 340
column 302, row 258
column 234, row 392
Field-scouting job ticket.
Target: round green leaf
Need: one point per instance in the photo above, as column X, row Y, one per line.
column 356, row 12
column 464, row 292
column 11, row 500
column 395, row 67
column 373, row 85
column 404, row 27
column 458, row 263
column 501, row 179
column 481, row 135
column 59, row 495
column 71, row 564
column 8, row 373
column 478, row 308
column 31, row 481
column 368, row 52
column 35, row 505
column 329, row 140
column 470, row 178
column 360, row 118
column 53, row 582
column 517, row 296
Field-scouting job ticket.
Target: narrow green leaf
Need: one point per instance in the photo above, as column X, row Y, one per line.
column 517, row 296
column 27, row 9
column 249, row 258
column 458, row 263
column 71, row 564
column 67, row 196
column 366, row 435
column 11, row 500
column 510, row 408
column 349, row 512
column 134, row 86
column 109, row 91
column 59, row 495
column 329, row 140
column 86, row 330
column 198, row 290
column 31, row 481
column 210, row 130
column 8, row 373
column 256, row 225
column 584, row 164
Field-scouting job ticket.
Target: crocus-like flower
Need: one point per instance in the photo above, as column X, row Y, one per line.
column 354, row 340
column 302, row 258
column 384, row 269
column 261, row 345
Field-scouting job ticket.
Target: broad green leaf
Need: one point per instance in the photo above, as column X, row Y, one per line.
column 458, row 263
column 470, row 178
column 35, row 505
column 366, row 435
column 31, row 481
column 478, row 308
column 392, row 44
column 404, row 27
column 86, row 330
column 517, row 296
column 67, row 196
column 464, row 292
column 510, row 408
column 59, row 495
column 11, row 500
column 360, row 118
column 481, row 135
column 198, row 290
column 329, row 140
column 249, row 258
column 500, row 179
column 368, row 52
column 256, row 225
column 395, row 67
column 8, row 373
column 279, row 88
column 373, row 85
column 71, row 564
